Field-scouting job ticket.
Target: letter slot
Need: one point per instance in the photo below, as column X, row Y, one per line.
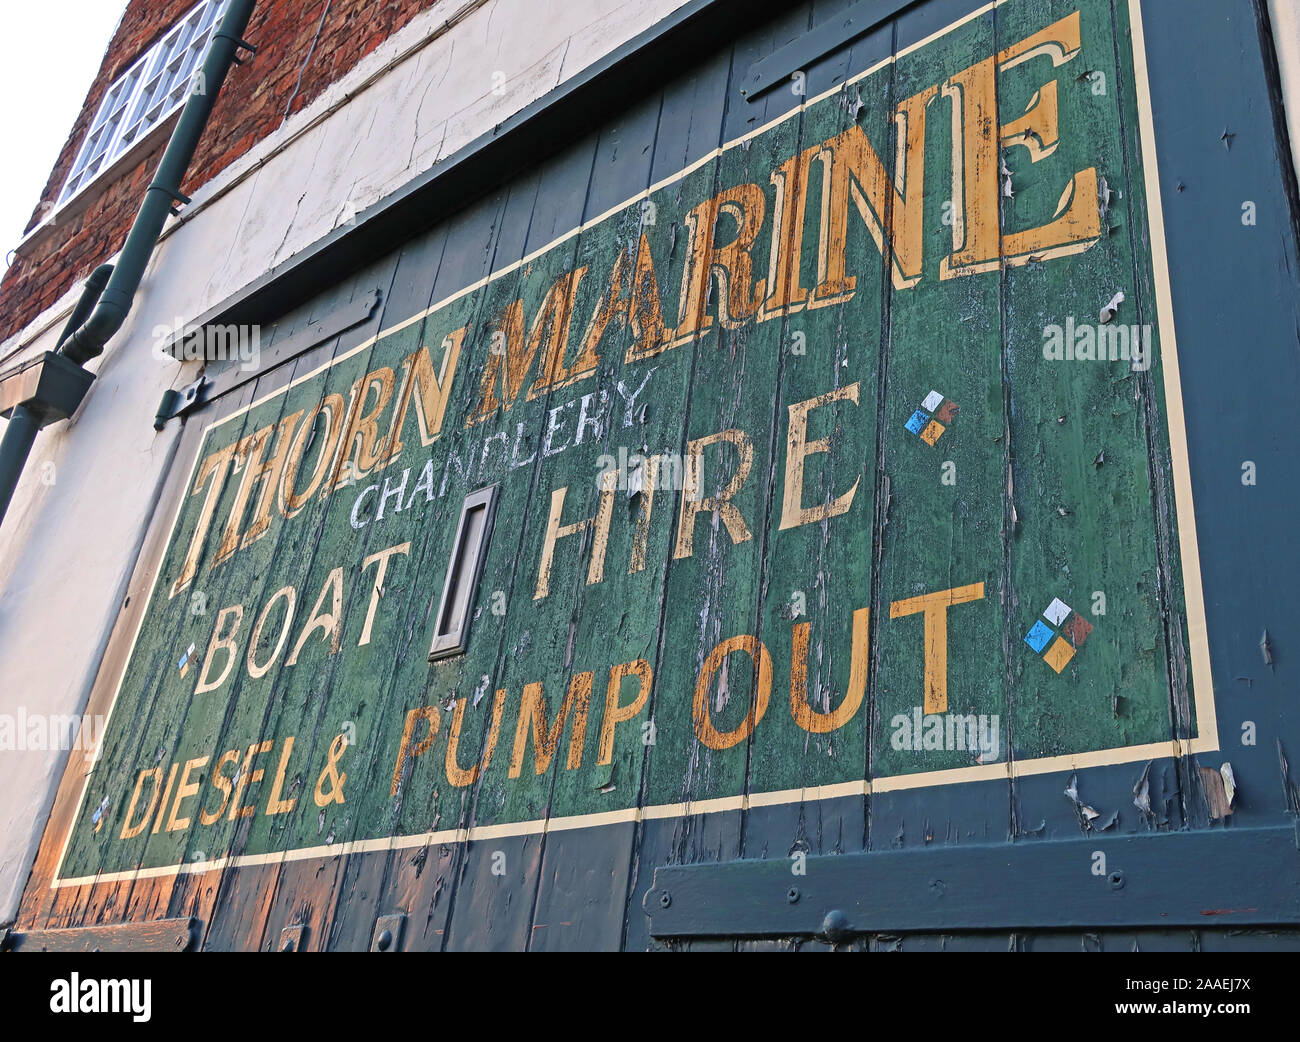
column 468, row 550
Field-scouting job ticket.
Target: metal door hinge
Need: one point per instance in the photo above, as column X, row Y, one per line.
column 986, row 887
column 192, row 342
column 178, row 403
column 164, row 935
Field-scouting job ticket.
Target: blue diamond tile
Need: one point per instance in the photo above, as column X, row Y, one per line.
column 918, row 421
column 1038, row 637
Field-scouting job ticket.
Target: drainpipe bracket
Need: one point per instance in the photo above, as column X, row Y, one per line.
column 171, row 193
column 240, row 45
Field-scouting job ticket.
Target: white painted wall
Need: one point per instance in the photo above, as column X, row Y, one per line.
column 1285, row 17
column 68, row 548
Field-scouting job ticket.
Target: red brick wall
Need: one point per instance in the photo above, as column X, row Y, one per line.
column 252, row 104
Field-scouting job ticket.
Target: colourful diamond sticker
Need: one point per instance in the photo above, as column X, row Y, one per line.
column 1066, row 642
column 1038, row 637
column 931, row 419
column 1056, row 611
column 1077, row 629
column 1058, row 654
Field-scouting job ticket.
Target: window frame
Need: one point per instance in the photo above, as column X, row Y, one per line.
column 153, row 87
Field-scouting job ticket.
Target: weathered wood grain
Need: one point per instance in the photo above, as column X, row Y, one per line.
column 1054, row 479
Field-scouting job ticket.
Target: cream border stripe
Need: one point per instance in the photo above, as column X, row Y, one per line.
column 1193, row 592
column 542, row 826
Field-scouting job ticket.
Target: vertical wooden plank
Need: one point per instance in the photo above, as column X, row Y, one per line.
column 425, row 799
column 689, row 127
column 712, row 595
column 506, row 869
column 1089, row 447
column 815, row 574
column 496, row 883
column 942, row 519
column 239, row 913
column 420, row 883
column 193, row 896
column 1230, row 219
column 577, row 865
column 305, row 894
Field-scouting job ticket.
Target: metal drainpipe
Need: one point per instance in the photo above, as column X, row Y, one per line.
column 90, row 295
column 111, row 288
column 20, row 433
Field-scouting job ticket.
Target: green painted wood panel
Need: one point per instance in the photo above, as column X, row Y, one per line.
column 785, row 659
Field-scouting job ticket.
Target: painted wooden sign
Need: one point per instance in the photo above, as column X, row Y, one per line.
column 849, row 458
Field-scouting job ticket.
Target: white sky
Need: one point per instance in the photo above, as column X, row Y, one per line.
column 52, row 52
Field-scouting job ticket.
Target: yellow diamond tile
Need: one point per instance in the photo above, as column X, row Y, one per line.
column 932, row 431
column 1059, row 654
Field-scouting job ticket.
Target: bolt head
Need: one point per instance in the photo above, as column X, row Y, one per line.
column 385, row 941
column 835, row 926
